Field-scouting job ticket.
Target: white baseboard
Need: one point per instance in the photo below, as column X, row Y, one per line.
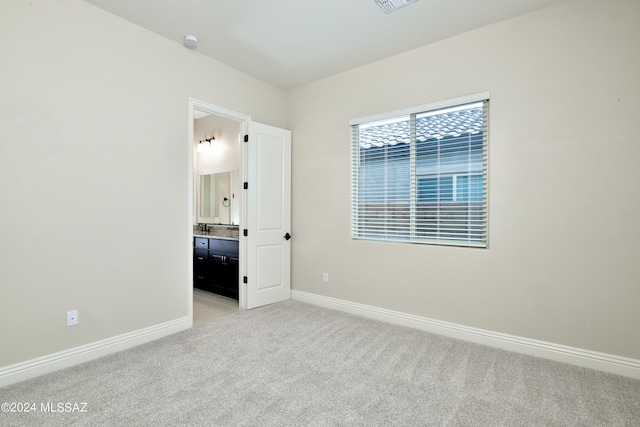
column 43, row 365
column 575, row 356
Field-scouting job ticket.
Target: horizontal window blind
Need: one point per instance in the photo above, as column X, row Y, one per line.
column 422, row 177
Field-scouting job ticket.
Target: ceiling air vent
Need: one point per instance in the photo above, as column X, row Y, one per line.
column 390, row 5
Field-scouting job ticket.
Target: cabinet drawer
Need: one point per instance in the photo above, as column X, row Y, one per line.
column 224, row 247
column 201, row 282
column 200, row 255
column 201, row 243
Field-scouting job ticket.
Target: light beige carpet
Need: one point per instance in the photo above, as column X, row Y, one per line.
column 293, row 364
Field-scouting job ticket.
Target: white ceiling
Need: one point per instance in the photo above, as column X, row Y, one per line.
column 288, row 43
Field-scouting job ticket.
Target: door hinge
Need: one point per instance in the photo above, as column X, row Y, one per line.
column 245, row 232
column 246, row 138
column 245, row 280
column 246, row 185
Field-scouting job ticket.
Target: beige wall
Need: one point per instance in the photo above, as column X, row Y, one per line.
column 563, row 259
column 94, row 172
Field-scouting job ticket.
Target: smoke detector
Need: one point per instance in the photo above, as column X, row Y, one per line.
column 389, row 6
column 190, row 41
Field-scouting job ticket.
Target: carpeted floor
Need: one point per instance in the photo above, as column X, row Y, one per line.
column 293, row 364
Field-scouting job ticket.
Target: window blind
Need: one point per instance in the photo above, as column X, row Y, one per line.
column 422, row 177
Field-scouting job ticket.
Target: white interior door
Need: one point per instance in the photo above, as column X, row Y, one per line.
column 268, row 209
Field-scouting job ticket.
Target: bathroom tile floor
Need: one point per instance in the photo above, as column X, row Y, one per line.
column 208, row 306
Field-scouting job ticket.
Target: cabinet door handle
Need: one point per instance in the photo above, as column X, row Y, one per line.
column 224, row 260
column 287, row 236
column 200, row 258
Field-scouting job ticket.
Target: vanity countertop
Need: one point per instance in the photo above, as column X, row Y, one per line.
column 214, row 235
column 219, row 232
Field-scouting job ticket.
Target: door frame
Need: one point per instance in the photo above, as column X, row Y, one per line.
column 195, row 104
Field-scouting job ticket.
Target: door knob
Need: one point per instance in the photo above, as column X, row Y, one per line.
column 287, row 236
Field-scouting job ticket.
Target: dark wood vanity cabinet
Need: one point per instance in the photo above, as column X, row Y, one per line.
column 215, row 266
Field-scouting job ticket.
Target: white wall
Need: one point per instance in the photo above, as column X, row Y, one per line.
column 562, row 265
column 94, row 172
column 224, row 154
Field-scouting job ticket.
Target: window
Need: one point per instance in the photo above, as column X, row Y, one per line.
column 420, row 175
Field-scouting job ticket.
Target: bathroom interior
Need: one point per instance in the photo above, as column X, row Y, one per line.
column 216, row 216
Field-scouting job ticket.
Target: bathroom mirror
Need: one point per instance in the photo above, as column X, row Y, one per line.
column 219, row 198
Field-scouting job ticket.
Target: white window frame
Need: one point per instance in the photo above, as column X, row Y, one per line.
column 411, row 112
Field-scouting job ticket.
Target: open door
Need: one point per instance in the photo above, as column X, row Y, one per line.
column 268, row 213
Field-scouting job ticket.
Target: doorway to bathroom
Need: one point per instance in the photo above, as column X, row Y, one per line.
column 250, row 200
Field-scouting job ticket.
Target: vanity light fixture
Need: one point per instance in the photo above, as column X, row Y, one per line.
column 205, row 144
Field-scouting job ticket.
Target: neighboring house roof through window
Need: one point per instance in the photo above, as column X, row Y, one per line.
column 453, row 123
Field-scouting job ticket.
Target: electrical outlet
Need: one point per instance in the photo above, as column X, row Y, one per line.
column 325, row 277
column 72, row 318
